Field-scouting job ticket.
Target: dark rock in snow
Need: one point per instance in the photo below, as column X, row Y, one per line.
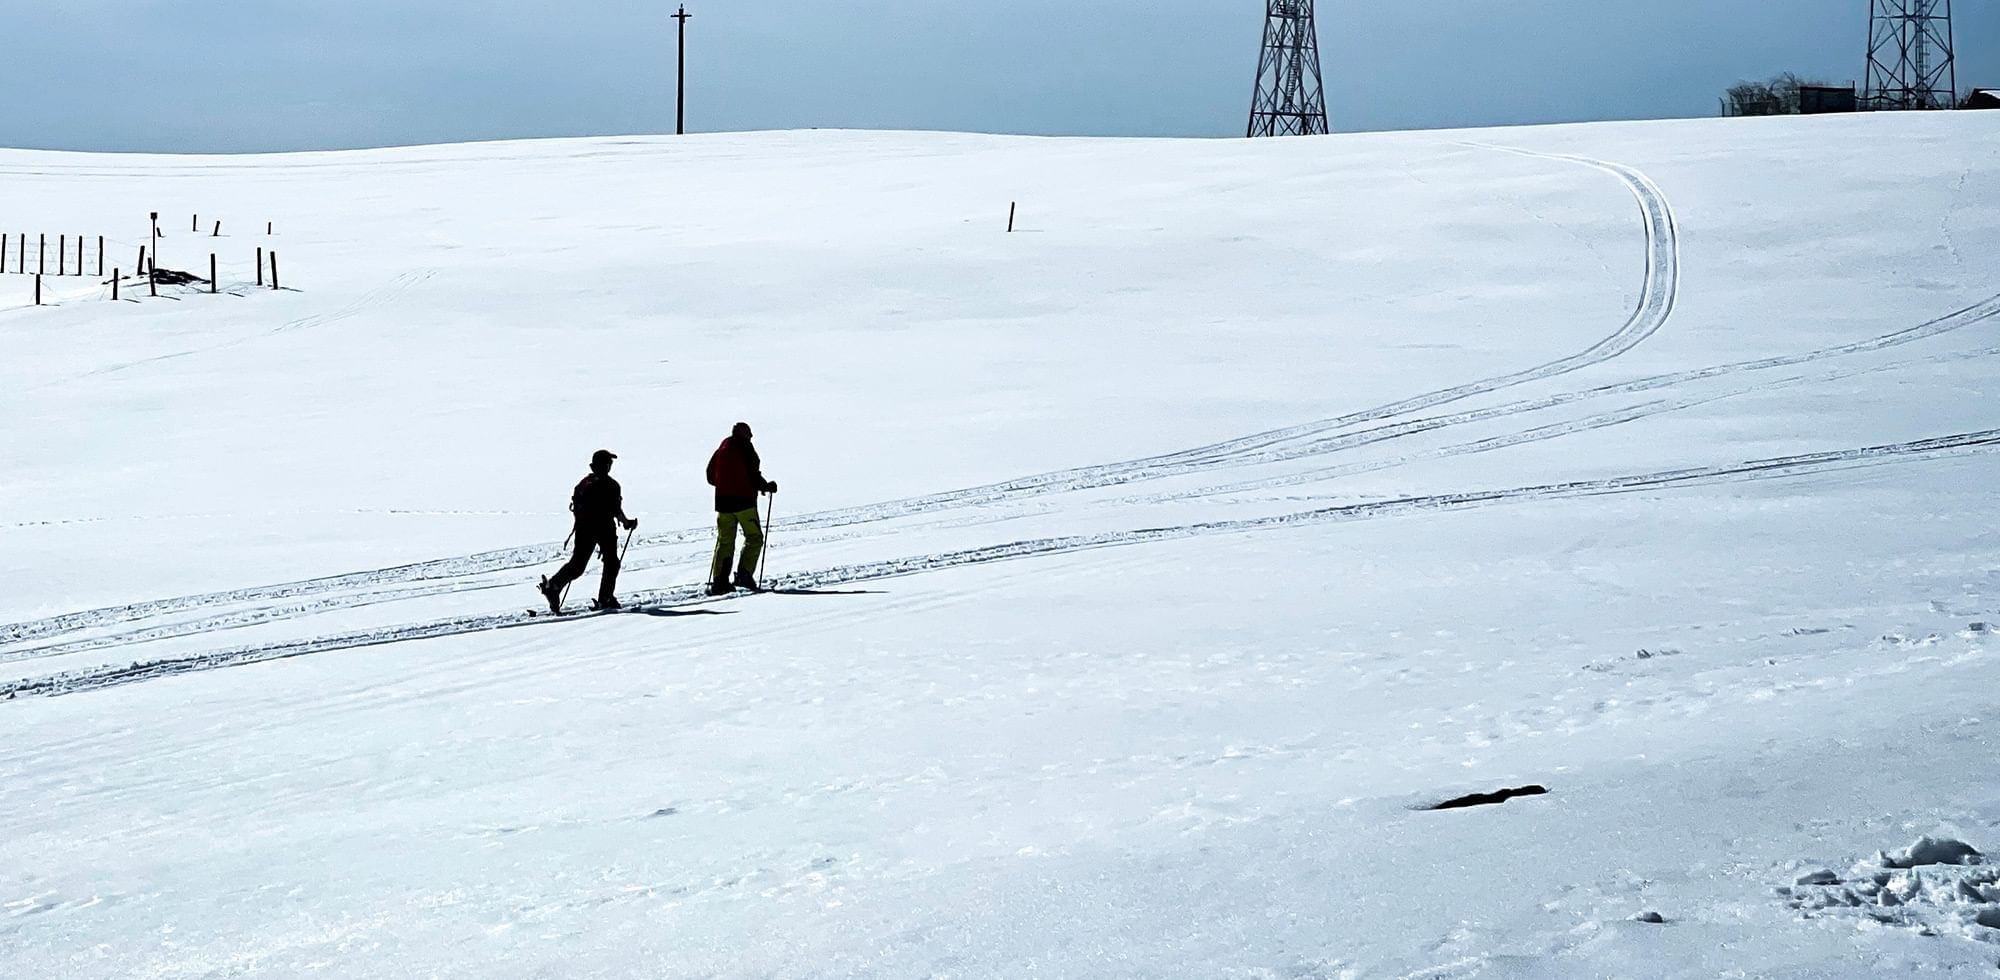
column 1488, row 799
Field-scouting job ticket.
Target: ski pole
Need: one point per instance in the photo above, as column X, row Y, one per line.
column 565, row 549
column 628, row 542
column 765, row 558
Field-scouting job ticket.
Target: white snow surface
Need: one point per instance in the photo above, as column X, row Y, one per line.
column 1154, row 566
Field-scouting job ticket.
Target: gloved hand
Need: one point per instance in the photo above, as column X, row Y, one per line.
column 632, row 524
column 770, row 486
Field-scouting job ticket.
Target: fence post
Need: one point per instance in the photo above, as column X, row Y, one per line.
column 140, row 269
column 62, row 252
column 24, row 253
column 79, row 255
column 195, row 223
column 274, row 268
column 100, row 255
column 3, row 254
column 267, row 227
column 1011, row 205
column 211, row 272
column 41, row 254
column 218, row 230
column 114, row 284
column 260, row 265
column 38, row 289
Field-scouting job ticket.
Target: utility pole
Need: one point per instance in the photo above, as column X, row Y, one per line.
column 680, row 84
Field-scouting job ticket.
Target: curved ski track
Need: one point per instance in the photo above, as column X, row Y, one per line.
column 237, row 619
column 1983, row 441
column 1658, row 293
column 450, row 575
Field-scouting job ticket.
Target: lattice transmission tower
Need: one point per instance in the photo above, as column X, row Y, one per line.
column 1289, row 99
column 1910, row 63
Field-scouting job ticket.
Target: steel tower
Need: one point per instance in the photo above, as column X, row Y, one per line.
column 1910, row 64
column 1289, row 99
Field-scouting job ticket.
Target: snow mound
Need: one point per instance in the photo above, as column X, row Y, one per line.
column 1934, row 886
column 1927, row 850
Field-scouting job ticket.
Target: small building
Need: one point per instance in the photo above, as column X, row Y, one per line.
column 1983, row 98
column 1816, row 99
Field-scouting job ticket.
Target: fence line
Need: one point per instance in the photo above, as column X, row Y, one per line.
column 74, row 255
column 77, row 256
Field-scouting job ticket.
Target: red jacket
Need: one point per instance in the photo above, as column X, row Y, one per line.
column 737, row 476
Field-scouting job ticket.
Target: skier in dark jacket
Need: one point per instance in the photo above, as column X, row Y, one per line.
column 738, row 477
column 599, row 506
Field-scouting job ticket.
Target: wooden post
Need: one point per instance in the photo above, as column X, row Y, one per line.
column 267, row 227
column 62, row 252
column 211, row 272
column 1011, row 205
column 24, row 253
column 79, row 255
column 140, row 269
column 100, row 255
column 274, row 268
column 114, row 284
column 218, row 230
column 38, row 289
column 260, row 265
column 195, row 224
column 41, row 254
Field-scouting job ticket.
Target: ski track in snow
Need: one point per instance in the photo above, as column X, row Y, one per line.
column 1323, row 437
column 1983, row 441
column 1658, row 294
column 445, row 576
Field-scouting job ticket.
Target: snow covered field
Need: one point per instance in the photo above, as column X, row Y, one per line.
column 1157, row 563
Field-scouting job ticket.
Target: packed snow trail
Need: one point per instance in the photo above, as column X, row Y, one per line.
column 443, row 576
column 1984, row 441
column 1658, row 290
column 238, row 619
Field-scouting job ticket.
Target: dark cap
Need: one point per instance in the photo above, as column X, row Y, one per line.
column 602, row 456
column 740, row 430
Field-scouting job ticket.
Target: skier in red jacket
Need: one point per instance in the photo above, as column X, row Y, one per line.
column 738, row 477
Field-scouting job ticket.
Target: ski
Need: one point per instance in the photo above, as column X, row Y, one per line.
column 591, row 610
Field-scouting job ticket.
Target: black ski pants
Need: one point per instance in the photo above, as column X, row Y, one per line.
column 603, row 540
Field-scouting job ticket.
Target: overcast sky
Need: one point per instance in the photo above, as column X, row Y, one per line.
column 242, row 75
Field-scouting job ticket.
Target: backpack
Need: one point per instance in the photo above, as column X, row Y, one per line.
column 584, row 497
